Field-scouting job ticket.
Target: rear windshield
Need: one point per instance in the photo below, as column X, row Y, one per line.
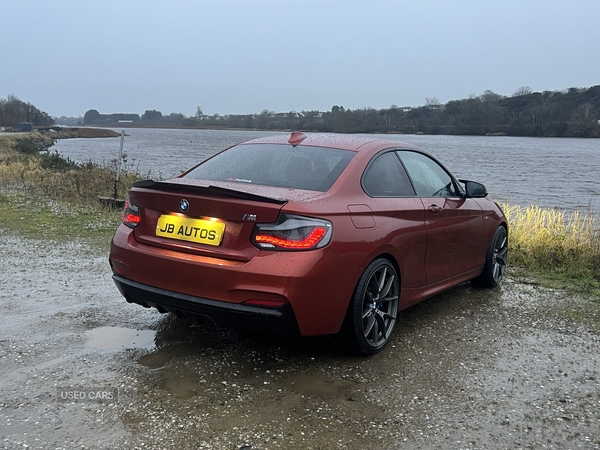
column 311, row 168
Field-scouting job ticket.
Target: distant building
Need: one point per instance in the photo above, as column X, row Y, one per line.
column 25, row 127
column 69, row 121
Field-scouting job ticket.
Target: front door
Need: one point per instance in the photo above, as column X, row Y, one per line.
column 454, row 223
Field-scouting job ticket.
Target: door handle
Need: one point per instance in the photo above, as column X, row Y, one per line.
column 435, row 209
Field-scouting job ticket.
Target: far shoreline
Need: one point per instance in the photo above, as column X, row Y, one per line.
column 86, row 131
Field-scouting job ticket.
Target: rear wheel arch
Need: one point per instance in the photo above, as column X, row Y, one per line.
column 391, row 259
column 394, row 262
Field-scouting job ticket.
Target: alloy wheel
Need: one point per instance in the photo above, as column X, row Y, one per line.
column 380, row 306
column 500, row 256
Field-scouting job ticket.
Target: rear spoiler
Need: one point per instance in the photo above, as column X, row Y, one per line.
column 213, row 191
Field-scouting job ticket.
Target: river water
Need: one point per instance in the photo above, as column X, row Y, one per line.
column 550, row 172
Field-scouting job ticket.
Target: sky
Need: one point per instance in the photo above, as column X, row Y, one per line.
column 244, row 56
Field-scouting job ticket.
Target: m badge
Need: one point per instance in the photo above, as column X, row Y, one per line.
column 249, row 217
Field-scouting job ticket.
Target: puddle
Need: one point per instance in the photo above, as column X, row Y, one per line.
column 317, row 386
column 114, row 338
column 181, row 387
column 156, row 360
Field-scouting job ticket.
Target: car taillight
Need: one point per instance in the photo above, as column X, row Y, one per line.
column 292, row 233
column 131, row 214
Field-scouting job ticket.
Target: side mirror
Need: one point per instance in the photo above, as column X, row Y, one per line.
column 474, row 189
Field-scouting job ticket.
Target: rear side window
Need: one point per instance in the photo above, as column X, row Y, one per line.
column 385, row 177
column 311, row 168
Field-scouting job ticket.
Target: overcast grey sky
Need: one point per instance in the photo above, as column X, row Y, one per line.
column 243, row 56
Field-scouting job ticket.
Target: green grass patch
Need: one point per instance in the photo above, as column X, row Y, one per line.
column 581, row 284
column 34, row 216
column 46, row 196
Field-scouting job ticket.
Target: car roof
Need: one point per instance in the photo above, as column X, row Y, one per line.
column 352, row 142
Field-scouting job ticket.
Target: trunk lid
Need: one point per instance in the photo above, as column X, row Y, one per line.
column 206, row 220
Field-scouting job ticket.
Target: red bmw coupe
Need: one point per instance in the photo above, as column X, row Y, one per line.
column 307, row 233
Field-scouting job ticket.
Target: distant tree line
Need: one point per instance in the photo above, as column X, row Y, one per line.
column 574, row 112
column 13, row 111
column 93, row 117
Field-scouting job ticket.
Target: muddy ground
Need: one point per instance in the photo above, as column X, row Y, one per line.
column 514, row 367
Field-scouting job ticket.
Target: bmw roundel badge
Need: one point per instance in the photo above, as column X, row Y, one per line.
column 184, row 205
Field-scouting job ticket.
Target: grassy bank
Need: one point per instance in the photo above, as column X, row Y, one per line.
column 45, row 195
column 57, row 177
column 76, row 132
column 555, row 245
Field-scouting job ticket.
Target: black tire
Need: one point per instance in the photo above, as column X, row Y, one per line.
column 496, row 259
column 372, row 312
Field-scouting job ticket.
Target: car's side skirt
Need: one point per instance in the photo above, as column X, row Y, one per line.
column 411, row 296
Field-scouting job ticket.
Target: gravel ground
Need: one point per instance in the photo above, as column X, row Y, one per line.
column 514, row 367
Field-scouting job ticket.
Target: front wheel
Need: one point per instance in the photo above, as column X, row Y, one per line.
column 373, row 309
column 495, row 261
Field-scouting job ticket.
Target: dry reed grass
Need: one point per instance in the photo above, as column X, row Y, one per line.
column 554, row 240
column 60, row 178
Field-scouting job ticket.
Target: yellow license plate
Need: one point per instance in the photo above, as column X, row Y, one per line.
column 194, row 230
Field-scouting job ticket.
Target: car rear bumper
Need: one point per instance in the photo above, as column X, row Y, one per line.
column 313, row 287
column 230, row 315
